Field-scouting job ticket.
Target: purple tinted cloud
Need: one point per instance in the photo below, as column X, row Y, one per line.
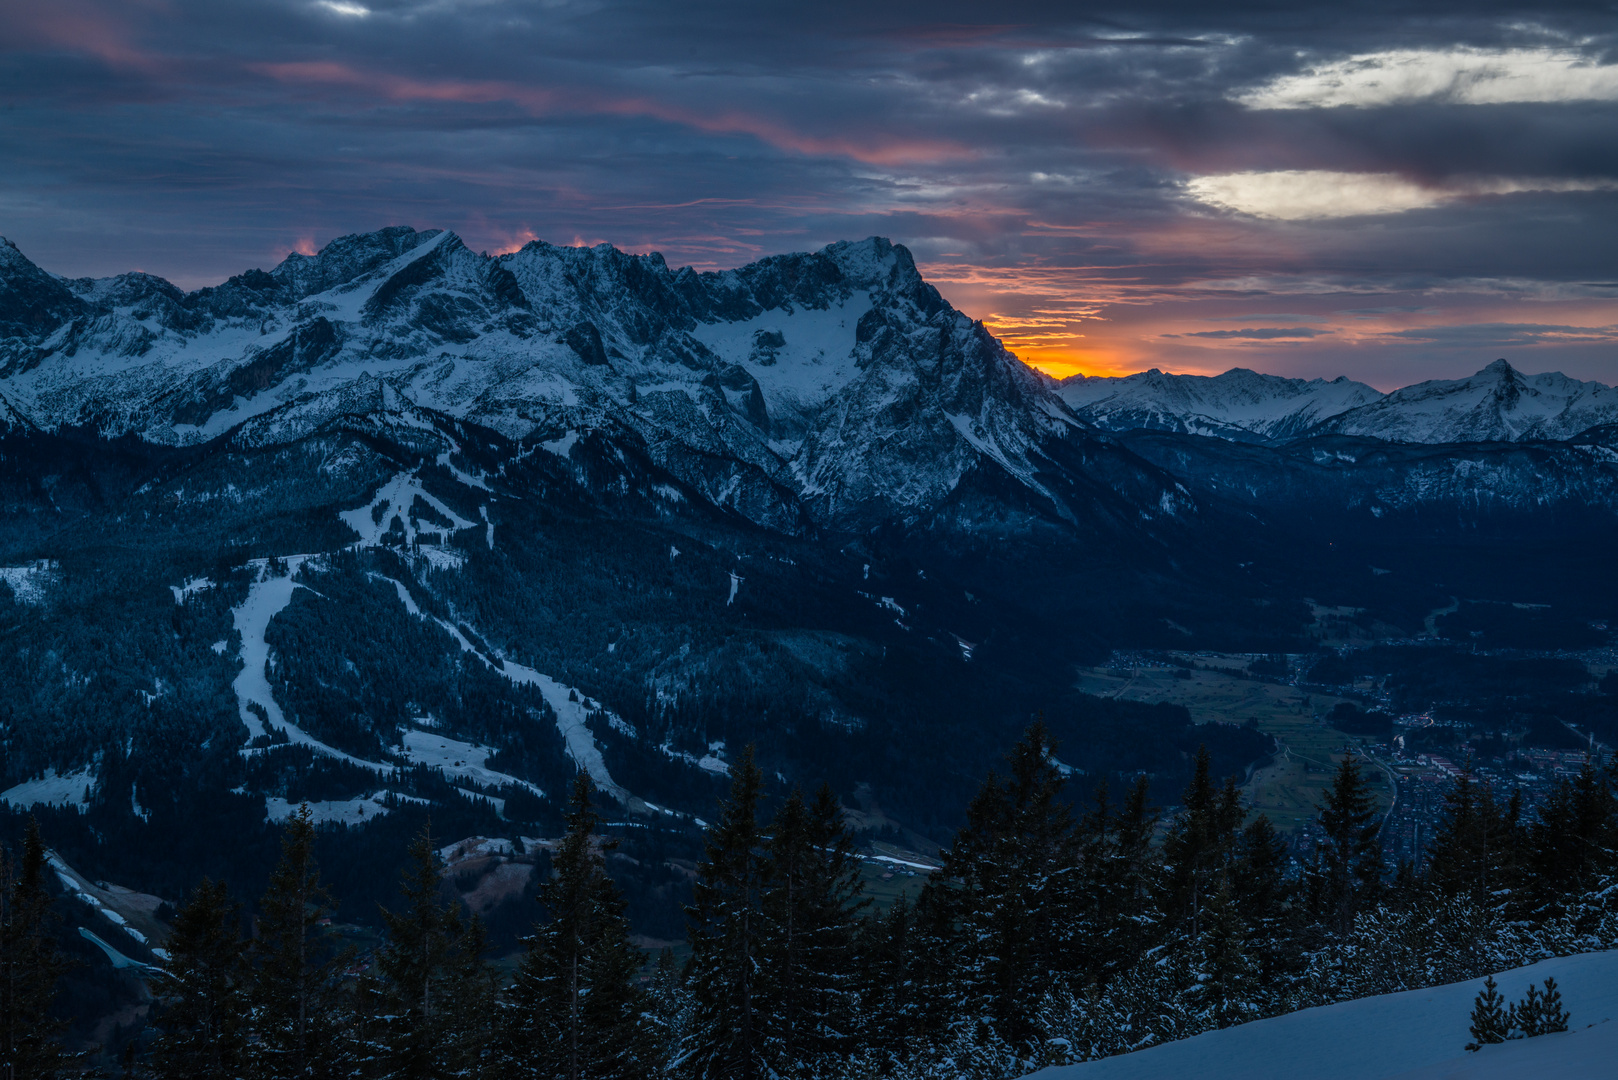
column 1036, row 160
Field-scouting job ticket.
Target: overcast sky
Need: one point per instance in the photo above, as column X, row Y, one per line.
column 1393, row 192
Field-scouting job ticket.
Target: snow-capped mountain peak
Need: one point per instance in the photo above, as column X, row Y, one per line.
column 1499, row 403
column 839, row 376
column 1240, row 404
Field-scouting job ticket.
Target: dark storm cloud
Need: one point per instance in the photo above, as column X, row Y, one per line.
column 1035, row 156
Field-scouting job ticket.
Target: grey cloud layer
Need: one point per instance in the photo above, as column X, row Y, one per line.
column 195, row 138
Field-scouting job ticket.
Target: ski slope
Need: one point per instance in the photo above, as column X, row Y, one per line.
column 1415, row 1035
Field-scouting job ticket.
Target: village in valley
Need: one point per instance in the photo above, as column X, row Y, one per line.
column 1412, row 763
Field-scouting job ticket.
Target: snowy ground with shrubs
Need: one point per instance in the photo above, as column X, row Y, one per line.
column 1414, row 1035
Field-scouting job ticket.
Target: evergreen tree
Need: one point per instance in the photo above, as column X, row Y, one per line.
column 295, row 999
column 434, row 988
column 1226, row 979
column 670, row 1002
column 1263, row 897
column 807, row 963
column 1490, row 1023
column 574, row 1010
column 1474, row 852
column 727, row 934
column 1539, row 1013
column 1575, row 842
column 892, row 1012
column 30, row 966
column 1347, row 871
column 1126, row 920
column 1198, row 847
column 204, row 997
column 1008, row 923
column 1552, row 1017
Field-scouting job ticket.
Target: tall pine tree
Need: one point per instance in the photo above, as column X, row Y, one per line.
column 1006, row 898
column 30, row 966
column 728, row 934
column 434, row 987
column 574, row 1011
column 807, row 973
column 1473, row 854
column 203, row 999
column 295, row 998
column 1199, row 846
column 1346, row 874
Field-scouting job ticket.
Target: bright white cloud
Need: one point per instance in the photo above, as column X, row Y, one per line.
column 1459, row 76
column 345, row 8
column 1298, row 195
column 1314, row 194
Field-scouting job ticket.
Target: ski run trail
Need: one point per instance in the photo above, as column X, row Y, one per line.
column 1414, row 1035
column 272, row 590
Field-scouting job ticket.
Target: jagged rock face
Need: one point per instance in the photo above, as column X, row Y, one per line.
column 1241, row 405
column 1497, row 404
column 33, row 306
column 835, row 386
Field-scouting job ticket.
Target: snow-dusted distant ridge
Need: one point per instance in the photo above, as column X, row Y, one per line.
column 839, row 376
column 1498, row 404
column 1241, row 405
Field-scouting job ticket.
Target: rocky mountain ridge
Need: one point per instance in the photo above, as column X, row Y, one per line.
column 1240, row 405
column 1498, row 404
column 837, row 379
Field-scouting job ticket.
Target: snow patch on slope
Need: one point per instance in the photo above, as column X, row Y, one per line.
column 29, row 583
column 52, row 789
column 458, row 760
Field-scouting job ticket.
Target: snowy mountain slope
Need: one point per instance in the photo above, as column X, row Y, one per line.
column 1499, row 403
column 838, row 377
column 1417, row 1033
column 1242, row 405
column 11, row 419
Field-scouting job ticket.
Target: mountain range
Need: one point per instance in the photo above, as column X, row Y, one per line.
column 1497, row 404
column 403, row 524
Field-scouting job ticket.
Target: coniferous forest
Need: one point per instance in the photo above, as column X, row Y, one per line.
column 1053, row 933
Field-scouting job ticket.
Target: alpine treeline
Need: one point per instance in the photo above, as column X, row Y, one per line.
column 1051, row 934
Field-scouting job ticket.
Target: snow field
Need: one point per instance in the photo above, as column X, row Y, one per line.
column 74, row 884
column 342, row 812
column 28, row 583
column 395, row 499
column 53, row 789
column 1414, row 1035
column 815, row 362
column 194, row 585
column 459, row 761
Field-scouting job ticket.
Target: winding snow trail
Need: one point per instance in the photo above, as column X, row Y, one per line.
column 567, row 702
column 267, row 597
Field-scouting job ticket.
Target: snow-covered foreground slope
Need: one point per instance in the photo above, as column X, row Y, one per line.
column 1415, row 1034
column 1240, row 404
